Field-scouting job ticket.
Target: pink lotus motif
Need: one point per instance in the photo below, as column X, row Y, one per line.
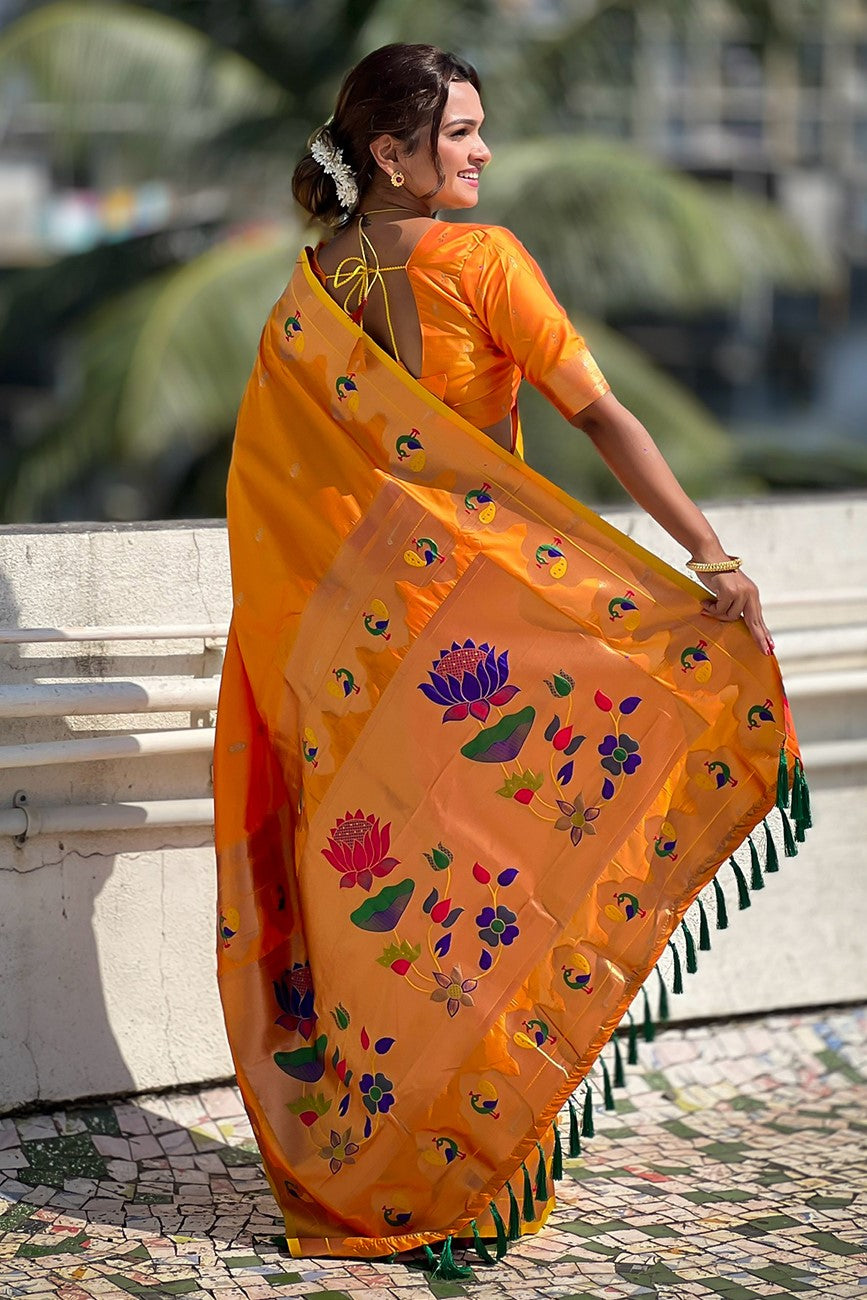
column 358, row 849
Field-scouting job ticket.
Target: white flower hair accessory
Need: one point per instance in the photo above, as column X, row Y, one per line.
column 330, row 159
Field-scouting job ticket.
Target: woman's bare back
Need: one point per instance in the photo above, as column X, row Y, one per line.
column 389, row 314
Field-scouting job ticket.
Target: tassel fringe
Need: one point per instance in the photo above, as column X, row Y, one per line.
column 528, row 1209
column 743, row 891
column 782, row 780
column 619, row 1074
column 541, row 1176
column 502, row 1241
column 797, row 800
column 663, row 997
column 574, row 1132
column 772, row 862
column 514, row 1216
column 587, row 1129
column 677, row 982
column 691, row 958
column 557, row 1157
column 722, row 916
column 703, row 929
column 757, row 880
column 790, row 848
column 632, row 1054
column 445, row 1268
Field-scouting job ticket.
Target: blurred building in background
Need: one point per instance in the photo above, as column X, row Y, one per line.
column 786, row 118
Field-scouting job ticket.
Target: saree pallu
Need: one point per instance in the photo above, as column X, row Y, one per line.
column 477, row 753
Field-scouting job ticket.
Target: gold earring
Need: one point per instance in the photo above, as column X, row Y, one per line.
column 397, row 179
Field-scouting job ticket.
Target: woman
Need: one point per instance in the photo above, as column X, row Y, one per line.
column 477, row 752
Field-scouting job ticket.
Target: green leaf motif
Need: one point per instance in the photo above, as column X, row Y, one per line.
column 306, row 1063
column 502, row 742
column 382, row 912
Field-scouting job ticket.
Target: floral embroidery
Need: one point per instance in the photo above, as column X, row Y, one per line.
column 376, row 1092
column 497, row 927
column 468, row 679
column 294, row 994
column 357, row 848
column 576, row 818
column 341, row 1150
column 453, row 989
column 621, row 754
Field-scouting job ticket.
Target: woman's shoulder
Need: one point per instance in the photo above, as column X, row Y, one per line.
column 457, row 237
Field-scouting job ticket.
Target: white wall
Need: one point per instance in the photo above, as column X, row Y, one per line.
column 106, row 939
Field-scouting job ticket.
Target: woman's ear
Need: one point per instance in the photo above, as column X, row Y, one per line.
column 384, row 151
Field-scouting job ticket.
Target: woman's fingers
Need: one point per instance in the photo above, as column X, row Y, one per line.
column 729, row 605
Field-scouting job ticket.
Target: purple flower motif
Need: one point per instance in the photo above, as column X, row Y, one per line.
column 294, row 994
column 497, row 927
column 468, row 679
column 621, row 754
column 376, row 1092
column 453, row 989
column 340, row 1151
column 576, row 818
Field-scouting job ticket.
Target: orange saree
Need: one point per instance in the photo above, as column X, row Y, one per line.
column 478, row 756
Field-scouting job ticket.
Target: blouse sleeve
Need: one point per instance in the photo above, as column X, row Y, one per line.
column 514, row 302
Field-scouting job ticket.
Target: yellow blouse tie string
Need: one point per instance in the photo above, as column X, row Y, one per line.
column 360, row 276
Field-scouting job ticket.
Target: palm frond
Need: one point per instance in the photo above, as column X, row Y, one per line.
column 618, row 231
column 698, row 448
column 107, row 68
column 162, row 368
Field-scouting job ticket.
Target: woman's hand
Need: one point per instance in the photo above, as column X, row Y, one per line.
column 734, row 595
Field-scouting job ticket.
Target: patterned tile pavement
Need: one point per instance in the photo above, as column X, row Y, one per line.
column 734, row 1166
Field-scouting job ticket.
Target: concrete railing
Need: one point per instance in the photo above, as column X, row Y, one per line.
column 106, row 731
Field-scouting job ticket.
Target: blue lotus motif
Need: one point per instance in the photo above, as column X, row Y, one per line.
column 468, row 679
column 294, row 994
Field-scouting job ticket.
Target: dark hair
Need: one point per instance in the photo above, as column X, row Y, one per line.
column 398, row 90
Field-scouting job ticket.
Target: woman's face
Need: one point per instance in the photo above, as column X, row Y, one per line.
column 462, row 154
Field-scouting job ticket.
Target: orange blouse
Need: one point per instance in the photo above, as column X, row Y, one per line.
column 488, row 319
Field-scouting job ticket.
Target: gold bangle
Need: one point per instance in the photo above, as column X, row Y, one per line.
column 731, row 565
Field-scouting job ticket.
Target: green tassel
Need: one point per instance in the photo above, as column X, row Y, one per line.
column 795, row 803
column 756, row 878
column 502, row 1242
column 677, row 985
column 606, row 1087
column 663, row 997
column 703, row 929
column 481, row 1249
column 445, row 1267
column 648, row 1028
column 557, row 1157
column 722, row 916
column 772, row 862
column 807, row 815
column 743, row 892
column 587, row 1129
column 574, row 1135
column 782, row 780
column 514, row 1216
column 541, row 1176
column 691, row 958
column 632, row 1054
column 800, row 811
column 619, row 1076
column 528, row 1209
column 790, row 848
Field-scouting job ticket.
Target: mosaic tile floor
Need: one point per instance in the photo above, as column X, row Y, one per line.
column 735, row 1166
